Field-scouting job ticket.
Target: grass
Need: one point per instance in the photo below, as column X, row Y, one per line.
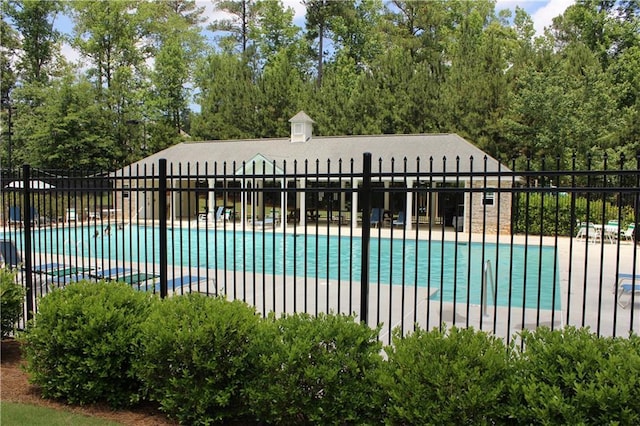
column 12, row 413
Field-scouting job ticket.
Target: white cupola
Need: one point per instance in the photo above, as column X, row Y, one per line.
column 301, row 127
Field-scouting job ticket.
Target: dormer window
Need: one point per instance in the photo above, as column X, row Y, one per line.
column 298, row 129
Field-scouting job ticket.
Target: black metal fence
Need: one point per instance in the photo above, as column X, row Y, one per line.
column 500, row 249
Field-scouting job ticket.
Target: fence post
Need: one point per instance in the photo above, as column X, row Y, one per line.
column 162, row 217
column 365, row 198
column 26, row 221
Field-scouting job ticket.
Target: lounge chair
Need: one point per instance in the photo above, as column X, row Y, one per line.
column 588, row 231
column 9, row 256
column 627, row 284
column 400, row 220
column 60, row 280
column 219, row 214
column 59, row 275
column 71, row 215
column 34, row 216
column 58, row 270
column 172, row 285
column 136, row 279
column 112, row 274
column 376, row 217
column 45, row 274
column 186, row 281
column 15, row 215
column 627, row 234
column 270, row 220
column 294, row 216
column 217, row 217
column 312, row 215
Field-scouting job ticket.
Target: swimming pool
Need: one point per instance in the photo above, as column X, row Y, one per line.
column 526, row 276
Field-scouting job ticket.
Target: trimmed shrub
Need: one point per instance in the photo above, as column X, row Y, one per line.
column 446, row 377
column 317, row 370
column 571, row 376
column 11, row 302
column 81, row 343
column 197, row 356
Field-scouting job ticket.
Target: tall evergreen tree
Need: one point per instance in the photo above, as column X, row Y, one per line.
column 321, row 19
column 178, row 47
column 34, row 21
column 242, row 15
column 227, row 99
column 114, row 37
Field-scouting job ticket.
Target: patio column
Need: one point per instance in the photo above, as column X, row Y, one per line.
column 354, row 207
column 259, row 200
column 283, row 205
column 303, row 202
column 211, row 200
column 243, row 204
column 408, row 209
column 433, row 206
column 386, row 195
column 343, row 200
column 170, row 200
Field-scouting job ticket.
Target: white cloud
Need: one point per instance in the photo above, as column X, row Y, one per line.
column 542, row 11
column 71, row 54
column 543, row 17
column 211, row 14
column 299, row 10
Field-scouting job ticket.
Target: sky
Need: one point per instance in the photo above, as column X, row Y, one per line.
column 542, row 11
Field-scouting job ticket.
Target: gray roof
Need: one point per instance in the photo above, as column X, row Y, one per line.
column 206, row 155
column 301, row 117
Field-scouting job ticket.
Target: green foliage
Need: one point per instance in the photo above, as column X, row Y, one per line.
column 536, row 213
column 571, row 376
column 81, row 343
column 530, row 209
column 228, row 92
column 208, row 360
column 197, row 356
column 457, row 376
column 317, row 370
column 11, row 302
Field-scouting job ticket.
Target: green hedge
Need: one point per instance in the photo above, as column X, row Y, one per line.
column 207, row 360
column 81, row 343
column 317, row 370
column 198, row 353
column 573, row 377
column 11, row 302
column 457, row 376
column 555, row 210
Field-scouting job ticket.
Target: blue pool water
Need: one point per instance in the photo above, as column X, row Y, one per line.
column 526, row 276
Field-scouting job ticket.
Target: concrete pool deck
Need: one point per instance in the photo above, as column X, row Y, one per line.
column 587, row 276
column 582, row 267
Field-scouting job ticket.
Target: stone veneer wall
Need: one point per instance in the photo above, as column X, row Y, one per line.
column 490, row 214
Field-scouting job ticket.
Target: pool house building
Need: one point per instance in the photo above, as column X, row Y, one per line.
column 274, row 180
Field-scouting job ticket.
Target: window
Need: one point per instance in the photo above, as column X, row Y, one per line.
column 488, row 198
column 298, row 129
